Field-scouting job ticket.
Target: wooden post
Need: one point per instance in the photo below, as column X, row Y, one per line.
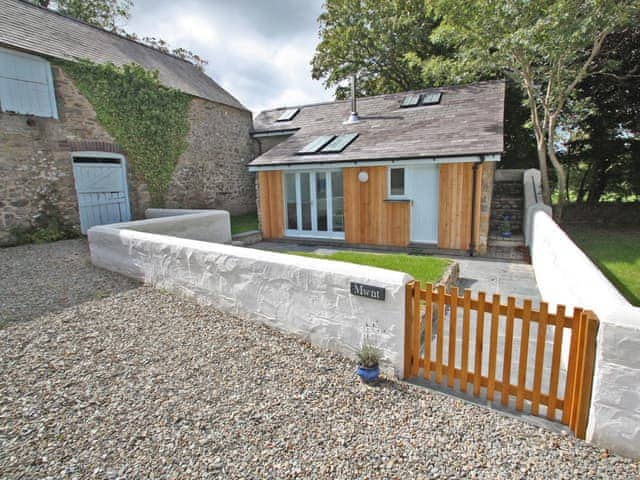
column 415, row 333
column 408, row 324
column 567, row 409
column 588, row 346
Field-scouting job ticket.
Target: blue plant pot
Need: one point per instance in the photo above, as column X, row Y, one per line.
column 368, row 375
column 506, row 234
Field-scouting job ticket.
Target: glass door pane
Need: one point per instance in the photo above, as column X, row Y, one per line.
column 337, row 198
column 321, row 200
column 305, row 201
column 290, row 195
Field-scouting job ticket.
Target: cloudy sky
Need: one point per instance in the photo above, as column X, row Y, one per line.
column 259, row 50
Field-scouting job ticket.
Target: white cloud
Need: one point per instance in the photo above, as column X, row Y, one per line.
column 260, row 52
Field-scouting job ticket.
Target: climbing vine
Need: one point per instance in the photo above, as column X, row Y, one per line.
column 149, row 120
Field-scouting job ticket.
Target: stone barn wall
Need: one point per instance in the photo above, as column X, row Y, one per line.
column 212, row 172
column 37, row 173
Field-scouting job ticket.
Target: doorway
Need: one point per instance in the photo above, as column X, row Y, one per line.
column 422, row 183
column 314, row 204
column 101, row 187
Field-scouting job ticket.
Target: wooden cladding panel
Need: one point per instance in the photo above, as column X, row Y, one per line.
column 271, row 204
column 369, row 219
column 456, row 191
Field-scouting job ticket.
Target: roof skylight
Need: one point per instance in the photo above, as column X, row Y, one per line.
column 317, row 144
column 410, row 100
column 339, row 143
column 431, row 98
column 288, row 114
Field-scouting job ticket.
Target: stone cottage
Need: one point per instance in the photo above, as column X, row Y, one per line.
column 54, row 151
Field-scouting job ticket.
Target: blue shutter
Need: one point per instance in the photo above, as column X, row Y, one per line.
column 26, row 85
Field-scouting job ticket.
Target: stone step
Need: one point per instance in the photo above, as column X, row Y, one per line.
column 514, row 241
column 508, row 253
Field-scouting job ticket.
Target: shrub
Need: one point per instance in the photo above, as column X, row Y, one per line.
column 368, row 356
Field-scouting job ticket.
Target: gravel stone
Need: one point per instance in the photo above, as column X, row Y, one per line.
column 144, row 384
column 39, row 279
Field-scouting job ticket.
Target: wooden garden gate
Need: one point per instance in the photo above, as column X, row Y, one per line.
column 489, row 348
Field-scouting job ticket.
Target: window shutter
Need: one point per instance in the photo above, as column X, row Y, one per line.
column 26, row 85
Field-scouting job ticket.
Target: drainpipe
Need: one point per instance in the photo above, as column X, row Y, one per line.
column 472, row 243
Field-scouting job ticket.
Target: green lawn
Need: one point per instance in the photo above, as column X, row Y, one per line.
column 617, row 253
column 425, row 269
column 244, row 223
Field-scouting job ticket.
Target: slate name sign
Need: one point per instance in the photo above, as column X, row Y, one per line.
column 368, row 291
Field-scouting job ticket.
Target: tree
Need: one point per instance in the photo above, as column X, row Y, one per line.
column 387, row 43
column 607, row 127
column 549, row 45
column 371, row 38
column 102, row 13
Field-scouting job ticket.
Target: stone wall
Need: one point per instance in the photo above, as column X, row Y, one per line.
column 262, row 145
column 35, row 161
column 37, row 172
column 212, row 172
column 605, row 214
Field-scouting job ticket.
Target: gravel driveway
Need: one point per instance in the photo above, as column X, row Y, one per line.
column 143, row 384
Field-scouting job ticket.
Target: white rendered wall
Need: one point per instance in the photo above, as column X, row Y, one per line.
column 303, row 296
column 565, row 275
column 204, row 225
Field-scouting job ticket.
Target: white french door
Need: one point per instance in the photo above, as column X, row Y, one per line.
column 314, row 204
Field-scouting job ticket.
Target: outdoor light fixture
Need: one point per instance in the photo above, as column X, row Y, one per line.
column 363, row 176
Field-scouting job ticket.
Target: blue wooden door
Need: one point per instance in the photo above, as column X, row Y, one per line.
column 101, row 186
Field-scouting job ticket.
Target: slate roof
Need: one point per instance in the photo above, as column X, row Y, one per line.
column 38, row 30
column 467, row 121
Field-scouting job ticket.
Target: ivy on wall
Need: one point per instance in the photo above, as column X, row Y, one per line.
column 149, row 120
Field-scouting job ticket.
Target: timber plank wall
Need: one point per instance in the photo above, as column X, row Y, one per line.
column 271, row 204
column 454, row 216
column 369, row 219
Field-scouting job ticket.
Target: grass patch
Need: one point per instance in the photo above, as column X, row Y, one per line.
column 244, row 223
column 423, row 268
column 617, row 254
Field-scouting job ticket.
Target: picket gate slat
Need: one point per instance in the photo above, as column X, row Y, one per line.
column 465, row 339
column 453, row 320
column 493, row 345
column 477, row 367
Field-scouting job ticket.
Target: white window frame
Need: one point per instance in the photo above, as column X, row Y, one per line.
column 404, row 176
column 314, row 232
column 50, row 84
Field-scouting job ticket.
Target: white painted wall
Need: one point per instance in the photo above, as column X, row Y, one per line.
column 204, row 225
column 565, row 275
column 303, row 296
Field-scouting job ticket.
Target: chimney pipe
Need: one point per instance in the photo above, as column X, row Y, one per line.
column 353, row 118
